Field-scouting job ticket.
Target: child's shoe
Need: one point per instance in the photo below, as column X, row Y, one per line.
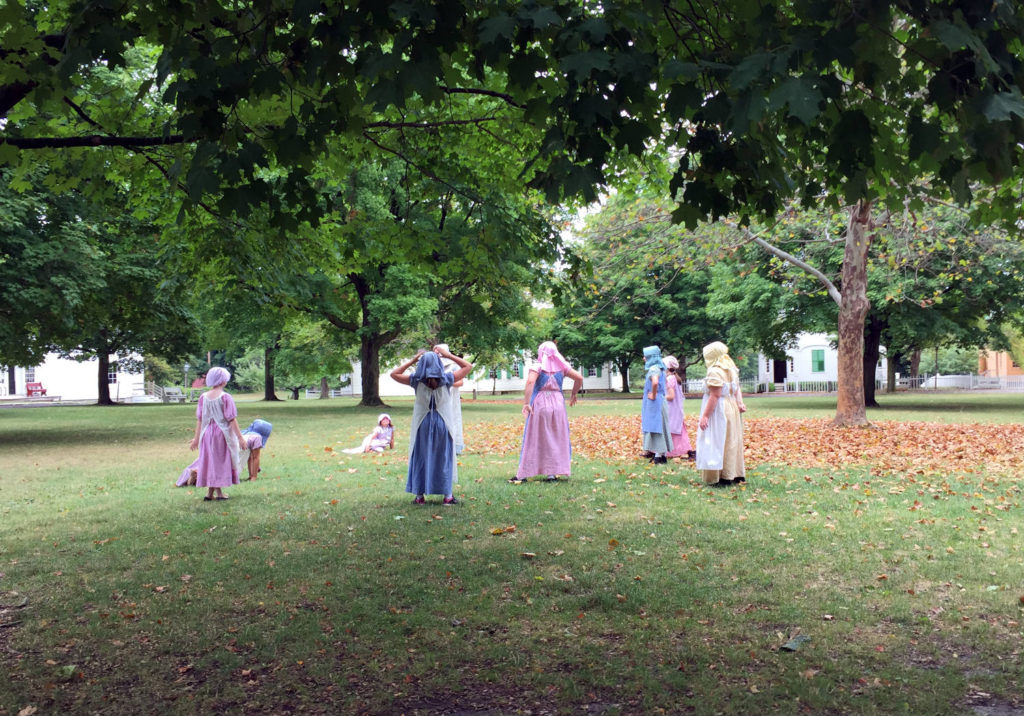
column 419, row 500
column 451, row 501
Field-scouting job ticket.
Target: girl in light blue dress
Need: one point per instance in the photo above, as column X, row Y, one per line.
column 654, row 412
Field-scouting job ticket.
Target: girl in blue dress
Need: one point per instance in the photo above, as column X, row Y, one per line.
column 432, row 460
column 654, row 412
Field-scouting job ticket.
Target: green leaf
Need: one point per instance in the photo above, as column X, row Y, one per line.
column 582, row 64
column 750, row 69
column 1002, row 106
column 802, row 97
column 675, row 69
column 494, row 27
column 543, row 16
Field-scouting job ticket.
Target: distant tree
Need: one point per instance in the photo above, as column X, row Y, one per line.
column 648, row 285
column 49, row 265
column 934, row 278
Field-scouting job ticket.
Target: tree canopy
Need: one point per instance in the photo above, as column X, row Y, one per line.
column 864, row 104
column 647, row 285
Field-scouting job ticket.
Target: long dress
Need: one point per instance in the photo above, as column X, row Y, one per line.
column 432, row 462
column 654, row 416
column 720, row 446
column 546, row 448
column 676, row 423
column 218, row 461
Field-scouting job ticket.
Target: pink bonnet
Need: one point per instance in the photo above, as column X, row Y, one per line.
column 551, row 361
column 217, row 376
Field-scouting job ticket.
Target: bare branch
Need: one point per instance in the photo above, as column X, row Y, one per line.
column 833, row 292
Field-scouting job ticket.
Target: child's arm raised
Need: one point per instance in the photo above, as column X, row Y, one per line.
column 398, row 374
column 464, row 366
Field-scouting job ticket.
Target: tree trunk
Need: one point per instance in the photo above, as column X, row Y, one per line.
column 325, row 389
column 103, row 393
column 850, row 409
column 294, row 391
column 624, row 371
column 872, row 343
column 891, row 360
column 369, row 356
column 11, row 387
column 915, row 363
column 269, row 391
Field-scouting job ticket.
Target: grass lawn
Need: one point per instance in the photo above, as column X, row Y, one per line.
column 628, row 589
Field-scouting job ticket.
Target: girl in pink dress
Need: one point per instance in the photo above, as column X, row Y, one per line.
column 546, row 448
column 674, row 398
column 217, row 436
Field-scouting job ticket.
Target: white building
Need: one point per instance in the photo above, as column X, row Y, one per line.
column 493, row 381
column 811, row 363
column 68, row 379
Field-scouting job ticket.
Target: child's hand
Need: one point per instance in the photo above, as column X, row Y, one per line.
column 527, row 409
column 441, row 351
column 193, row 443
column 420, row 352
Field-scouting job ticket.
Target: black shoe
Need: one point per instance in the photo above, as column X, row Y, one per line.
column 738, row 480
column 721, row 483
column 647, row 453
column 691, row 454
column 660, row 460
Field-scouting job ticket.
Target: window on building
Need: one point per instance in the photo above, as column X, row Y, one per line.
column 492, row 373
column 818, row 360
column 517, row 371
column 592, row 372
column 112, row 374
column 30, row 375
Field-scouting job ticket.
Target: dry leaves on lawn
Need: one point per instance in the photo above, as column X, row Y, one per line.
column 889, row 447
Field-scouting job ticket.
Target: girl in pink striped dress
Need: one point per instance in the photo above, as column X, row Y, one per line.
column 674, row 399
column 217, row 436
column 546, row 449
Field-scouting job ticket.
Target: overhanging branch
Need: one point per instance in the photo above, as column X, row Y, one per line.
column 833, row 292
column 92, row 140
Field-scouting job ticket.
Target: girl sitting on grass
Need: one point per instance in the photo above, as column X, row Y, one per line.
column 380, row 438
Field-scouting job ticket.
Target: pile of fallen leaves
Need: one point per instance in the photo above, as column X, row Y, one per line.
column 888, row 446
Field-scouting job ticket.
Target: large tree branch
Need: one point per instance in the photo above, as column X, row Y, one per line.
column 833, row 292
column 430, row 125
column 487, row 93
column 14, row 92
column 103, row 140
column 92, row 140
column 339, row 323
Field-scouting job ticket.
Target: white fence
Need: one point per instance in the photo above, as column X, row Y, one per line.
column 924, row 382
column 961, row 382
column 697, row 386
